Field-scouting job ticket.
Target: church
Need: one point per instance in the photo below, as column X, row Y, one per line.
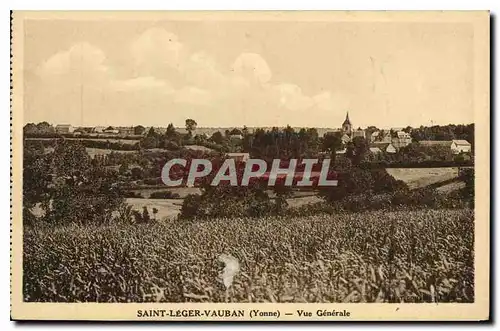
column 348, row 133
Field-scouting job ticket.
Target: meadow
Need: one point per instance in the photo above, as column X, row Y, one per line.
column 401, row 256
column 421, row 177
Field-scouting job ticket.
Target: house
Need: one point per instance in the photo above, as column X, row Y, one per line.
column 383, row 147
column 98, row 129
column 460, row 146
column 235, row 137
column 374, row 136
column 402, row 139
column 385, row 137
column 391, row 149
column 345, row 139
column 358, row 133
column 83, row 130
column 342, row 151
column 333, row 131
column 239, row 157
column 64, row 128
column 375, row 150
column 403, row 135
column 126, row 131
column 111, row 131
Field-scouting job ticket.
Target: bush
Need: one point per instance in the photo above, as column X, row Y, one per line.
column 190, row 206
column 153, row 181
column 132, row 194
column 144, row 216
column 360, row 181
column 229, row 201
column 164, row 195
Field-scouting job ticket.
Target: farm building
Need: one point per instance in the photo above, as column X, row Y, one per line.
column 460, row 146
column 64, row 128
column 240, row 157
column 430, row 143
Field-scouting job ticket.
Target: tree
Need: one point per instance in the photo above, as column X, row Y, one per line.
column 36, row 180
column 137, row 173
column 44, row 127
column 331, row 143
column 29, row 128
column 145, row 214
column 370, row 130
column 170, row 133
column 80, row 190
column 200, row 139
column 356, row 150
column 235, row 131
column 217, row 137
column 139, row 130
column 190, row 125
column 151, row 140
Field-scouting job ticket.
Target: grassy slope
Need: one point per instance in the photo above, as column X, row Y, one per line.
column 420, row 177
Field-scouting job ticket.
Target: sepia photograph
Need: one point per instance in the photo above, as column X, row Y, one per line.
column 284, row 165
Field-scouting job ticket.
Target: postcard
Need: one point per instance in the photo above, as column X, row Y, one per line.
column 250, row 166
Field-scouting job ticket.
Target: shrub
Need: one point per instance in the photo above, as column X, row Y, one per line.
column 230, row 201
column 132, row 194
column 359, row 181
column 164, row 195
column 153, row 181
column 190, row 206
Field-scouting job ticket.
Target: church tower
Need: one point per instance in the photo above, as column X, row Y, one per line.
column 347, row 126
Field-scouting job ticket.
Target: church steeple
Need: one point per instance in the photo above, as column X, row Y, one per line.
column 347, row 126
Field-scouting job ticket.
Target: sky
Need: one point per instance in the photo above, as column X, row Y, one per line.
column 253, row 73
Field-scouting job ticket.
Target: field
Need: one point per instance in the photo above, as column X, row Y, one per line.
column 406, row 256
column 111, row 140
column 420, row 177
column 167, row 208
column 182, row 191
column 95, row 151
column 198, row 148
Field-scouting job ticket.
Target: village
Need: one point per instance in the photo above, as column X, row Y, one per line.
column 390, row 140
